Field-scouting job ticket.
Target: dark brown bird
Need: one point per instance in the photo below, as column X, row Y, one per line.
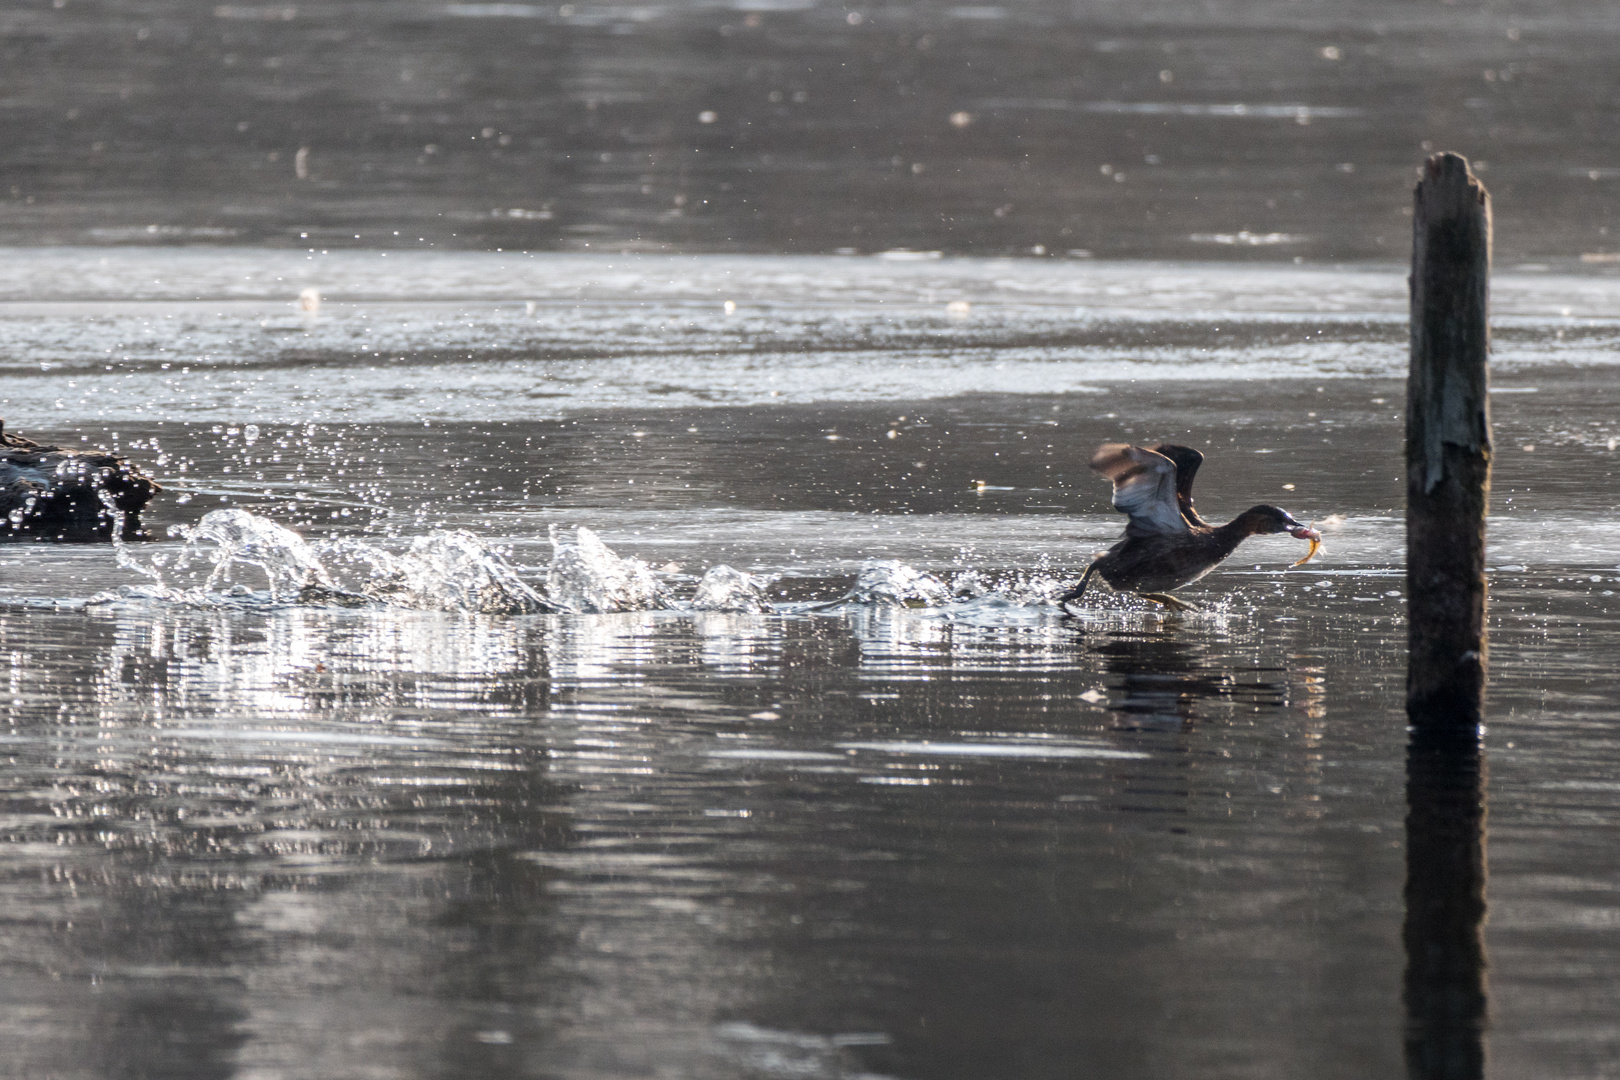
column 1166, row 544
column 79, row 496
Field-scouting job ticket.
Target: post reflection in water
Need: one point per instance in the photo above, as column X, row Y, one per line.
column 1445, row 904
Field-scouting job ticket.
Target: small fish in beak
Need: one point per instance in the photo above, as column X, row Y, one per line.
column 1305, row 532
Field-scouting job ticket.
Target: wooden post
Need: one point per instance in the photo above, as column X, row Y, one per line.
column 1448, row 478
column 1448, row 446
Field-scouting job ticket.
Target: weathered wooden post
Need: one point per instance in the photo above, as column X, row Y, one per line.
column 1448, row 464
column 1448, row 446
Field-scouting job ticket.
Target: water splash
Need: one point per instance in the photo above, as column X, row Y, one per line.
column 890, row 582
column 724, row 588
column 123, row 553
column 1016, row 589
column 289, row 563
column 441, row 571
column 447, row 570
column 453, row 570
column 588, row 578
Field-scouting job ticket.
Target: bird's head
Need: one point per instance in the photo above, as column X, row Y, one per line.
column 1265, row 520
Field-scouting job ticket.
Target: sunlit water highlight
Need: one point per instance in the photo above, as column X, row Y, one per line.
column 481, row 336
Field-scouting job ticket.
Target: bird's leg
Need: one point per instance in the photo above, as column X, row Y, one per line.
column 1168, row 601
column 1074, row 594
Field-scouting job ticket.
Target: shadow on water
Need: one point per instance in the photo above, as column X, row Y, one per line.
column 1445, row 986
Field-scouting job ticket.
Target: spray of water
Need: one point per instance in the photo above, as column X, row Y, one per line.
column 453, row 570
column 724, row 588
column 585, row 576
column 240, row 537
column 891, row 582
column 441, row 571
column 448, row 570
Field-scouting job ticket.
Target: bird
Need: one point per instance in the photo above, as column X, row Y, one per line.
column 1167, row 544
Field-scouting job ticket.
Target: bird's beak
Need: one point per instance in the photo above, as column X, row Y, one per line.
column 1305, row 532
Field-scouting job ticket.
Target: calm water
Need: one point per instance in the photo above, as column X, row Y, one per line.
column 1156, row 128
column 962, row 837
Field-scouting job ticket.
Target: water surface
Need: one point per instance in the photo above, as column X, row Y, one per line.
column 964, row 837
column 1267, row 129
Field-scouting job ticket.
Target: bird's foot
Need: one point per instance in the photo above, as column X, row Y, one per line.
column 1168, row 601
column 1073, row 595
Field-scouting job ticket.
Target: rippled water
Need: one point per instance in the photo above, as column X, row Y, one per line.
column 906, row 820
column 1256, row 129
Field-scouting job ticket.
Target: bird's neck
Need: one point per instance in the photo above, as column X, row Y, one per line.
column 1239, row 529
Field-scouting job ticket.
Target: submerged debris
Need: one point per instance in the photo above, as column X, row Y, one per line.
column 77, row 496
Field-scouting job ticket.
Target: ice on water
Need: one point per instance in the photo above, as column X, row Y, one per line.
column 471, row 336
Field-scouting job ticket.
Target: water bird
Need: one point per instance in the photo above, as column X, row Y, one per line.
column 1167, row 544
column 77, row 496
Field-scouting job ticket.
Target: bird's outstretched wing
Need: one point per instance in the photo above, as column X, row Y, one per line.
column 1144, row 488
column 1187, row 461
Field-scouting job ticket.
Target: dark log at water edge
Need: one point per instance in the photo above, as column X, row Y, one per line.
column 71, row 496
column 1448, row 472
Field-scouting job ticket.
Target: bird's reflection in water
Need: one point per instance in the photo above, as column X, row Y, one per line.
column 1165, row 677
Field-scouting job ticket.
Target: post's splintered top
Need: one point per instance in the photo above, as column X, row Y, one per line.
column 1448, row 173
